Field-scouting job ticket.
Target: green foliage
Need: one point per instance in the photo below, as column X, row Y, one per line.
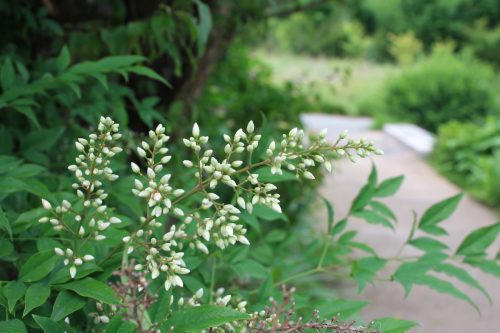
column 468, row 153
column 439, row 89
column 202, row 317
column 334, row 33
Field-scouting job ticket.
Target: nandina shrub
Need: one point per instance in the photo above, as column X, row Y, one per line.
column 442, row 88
column 183, row 263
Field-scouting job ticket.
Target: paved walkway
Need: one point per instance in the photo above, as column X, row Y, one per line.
column 423, row 186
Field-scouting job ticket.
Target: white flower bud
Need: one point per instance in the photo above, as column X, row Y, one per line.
column 250, row 127
column 308, row 175
column 59, row 251
column 243, row 240
column 196, row 130
column 79, row 146
column 135, row 167
column 46, row 204
column 88, row 257
column 141, row 152
column 187, row 163
column 241, row 202
column 72, row 272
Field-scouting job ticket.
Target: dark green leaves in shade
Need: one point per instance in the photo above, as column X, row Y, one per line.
column 89, row 287
column 199, row 318
column 437, row 213
column 13, row 326
column 118, row 324
column 48, row 325
column 66, row 303
column 14, row 291
column 4, row 223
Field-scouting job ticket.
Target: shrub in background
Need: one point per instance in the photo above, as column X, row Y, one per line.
column 326, row 30
column 405, row 48
column 469, row 154
column 441, row 88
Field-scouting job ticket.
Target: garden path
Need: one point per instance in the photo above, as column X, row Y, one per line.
column 423, row 186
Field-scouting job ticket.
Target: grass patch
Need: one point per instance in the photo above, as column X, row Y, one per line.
column 340, row 86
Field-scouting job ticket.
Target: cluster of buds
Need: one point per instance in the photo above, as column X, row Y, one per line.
column 91, row 168
column 100, row 315
column 71, row 259
column 162, row 255
column 217, row 220
column 283, row 317
column 190, row 301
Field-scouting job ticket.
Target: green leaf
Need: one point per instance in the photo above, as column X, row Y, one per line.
column 488, row 266
column 13, row 326
column 479, row 240
column 8, row 163
column 345, row 308
column 4, row 223
column 48, row 325
column 330, row 212
column 195, row 319
column 66, row 303
column 374, row 218
column 29, row 113
column 267, row 214
column 383, row 209
column 339, row 227
column 36, row 295
column 438, row 213
column 389, row 186
column 428, row 244
column 6, row 247
column 118, row 324
column 373, row 177
column 276, row 236
column 251, row 268
column 14, row 291
column 266, row 176
column 64, row 59
column 159, row 310
column 365, row 269
column 391, row 325
column 251, row 221
column 204, row 24
column 364, row 196
column 7, row 74
column 444, row 287
column 463, row 276
column 38, row 266
column 62, row 275
column 89, row 287
column 148, row 72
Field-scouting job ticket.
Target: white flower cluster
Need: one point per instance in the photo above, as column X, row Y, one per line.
column 164, row 254
column 91, row 169
column 216, row 220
